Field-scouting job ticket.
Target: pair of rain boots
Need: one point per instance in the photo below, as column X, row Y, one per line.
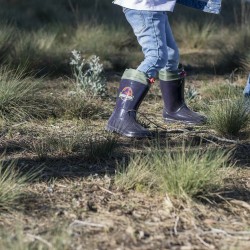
column 133, row 88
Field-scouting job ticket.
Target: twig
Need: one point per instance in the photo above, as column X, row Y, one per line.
column 210, row 138
column 175, row 225
column 222, row 139
column 229, row 233
column 240, row 203
column 204, row 243
column 85, row 223
column 106, row 190
column 18, row 124
column 35, row 237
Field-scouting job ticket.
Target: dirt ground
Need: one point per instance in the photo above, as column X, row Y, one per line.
column 76, row 205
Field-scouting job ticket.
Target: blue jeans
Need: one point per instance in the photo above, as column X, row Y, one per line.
column 246, row 91
column 155, row 36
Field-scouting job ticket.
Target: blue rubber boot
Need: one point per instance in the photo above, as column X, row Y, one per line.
column 175, row 109
column 133, row 88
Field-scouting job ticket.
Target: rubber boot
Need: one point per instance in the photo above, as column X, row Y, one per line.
column 172, row 86
column 133, row 88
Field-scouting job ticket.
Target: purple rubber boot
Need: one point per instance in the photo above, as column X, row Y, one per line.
column 133, row 88
column 175, row 109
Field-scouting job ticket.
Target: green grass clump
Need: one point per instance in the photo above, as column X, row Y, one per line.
column 12, row 185
column 19, row 95
column 186, row 172
column 229, row 117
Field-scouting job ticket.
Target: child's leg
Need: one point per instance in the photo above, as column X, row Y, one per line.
column 172, row 84
column 173, row 51
column 150, row 30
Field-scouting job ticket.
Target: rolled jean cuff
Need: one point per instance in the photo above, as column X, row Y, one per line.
column 135, row 75
column 165, row 75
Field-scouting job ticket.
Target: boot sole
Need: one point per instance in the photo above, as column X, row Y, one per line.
column 115, row 130
column 168, row 120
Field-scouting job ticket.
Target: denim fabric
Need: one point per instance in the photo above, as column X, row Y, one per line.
column 246, row 91
column 155, row 36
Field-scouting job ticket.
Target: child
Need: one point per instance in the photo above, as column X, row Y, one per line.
column 149, row 21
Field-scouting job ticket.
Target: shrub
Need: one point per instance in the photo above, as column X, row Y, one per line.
column 88, row 74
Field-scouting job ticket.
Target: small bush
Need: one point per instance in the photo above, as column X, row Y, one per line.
column 229, row 117
column 186, row 172
column 88, row 74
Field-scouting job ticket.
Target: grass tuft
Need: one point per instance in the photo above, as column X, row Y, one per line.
column 186, row 172
column 230, row 117
column 19, row 95
column 12, row 185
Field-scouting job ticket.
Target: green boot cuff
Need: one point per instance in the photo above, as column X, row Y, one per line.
column 135, row 75
column 169, row 75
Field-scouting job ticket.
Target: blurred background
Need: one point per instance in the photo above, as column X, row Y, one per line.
column 42, row 34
